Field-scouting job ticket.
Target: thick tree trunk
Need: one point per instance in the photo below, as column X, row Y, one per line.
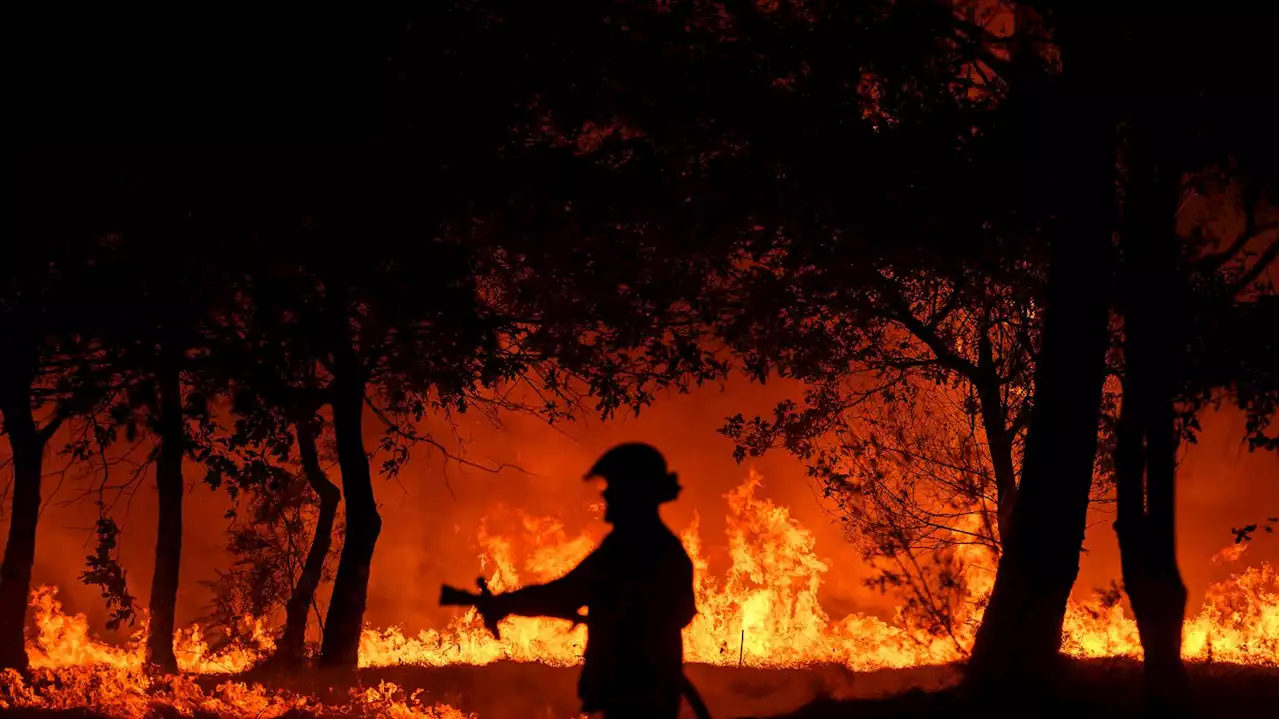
column 27, row 445
column 1147, row 550
column 340, row 646
column 169, row 487
column 292, row 644
column 1016, row 649
column 1022, row 628
column 1146, row 436
column 1145, row 529
column 1161, row 602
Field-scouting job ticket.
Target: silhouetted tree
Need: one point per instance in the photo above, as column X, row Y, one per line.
column 276, row 544
column 1188, row 304
column 1187, row 80
column 312, row 573
column 269, row 364
column 402, row 305
column 282, row 543
column 916, row 409
column 170, row 274
column 917, row 402
column 52, row 368
column 1165, row 307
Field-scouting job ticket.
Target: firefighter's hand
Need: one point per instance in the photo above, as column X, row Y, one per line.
column 492, row 612
column 492, row 609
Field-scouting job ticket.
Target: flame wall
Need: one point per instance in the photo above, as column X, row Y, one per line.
column 432, row 514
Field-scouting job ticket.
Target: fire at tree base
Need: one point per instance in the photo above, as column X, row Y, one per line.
column 757, row 648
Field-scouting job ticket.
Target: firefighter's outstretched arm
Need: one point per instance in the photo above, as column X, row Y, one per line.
column 560, row 598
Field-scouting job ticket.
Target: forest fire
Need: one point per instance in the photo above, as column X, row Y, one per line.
column 762, row 612
column 990, row 282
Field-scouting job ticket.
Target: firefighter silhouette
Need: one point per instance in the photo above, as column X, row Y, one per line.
column 637, row 588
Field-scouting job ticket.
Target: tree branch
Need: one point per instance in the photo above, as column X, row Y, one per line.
column 1023, row 416
column 400, row 431
column 51, row 428
column 1264, row 260
column 926, row 333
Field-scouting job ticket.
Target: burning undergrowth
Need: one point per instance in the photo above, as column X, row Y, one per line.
column 761, row 614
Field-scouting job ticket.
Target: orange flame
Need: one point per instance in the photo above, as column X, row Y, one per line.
column 763, row 612
column 1231, row 553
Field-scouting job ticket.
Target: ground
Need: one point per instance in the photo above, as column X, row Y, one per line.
column 1090, row 690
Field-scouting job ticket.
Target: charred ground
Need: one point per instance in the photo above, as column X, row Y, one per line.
column 1105, row 689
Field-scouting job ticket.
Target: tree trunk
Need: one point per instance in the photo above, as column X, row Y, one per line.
column 1072, row 144
column 340, row 646
column 1145, row 521
column 1022, row 628
column 1161, row 602
column 27, row 445
column 1147, row 550
column 292, row 644
column 1000, row 446
column 169, row 487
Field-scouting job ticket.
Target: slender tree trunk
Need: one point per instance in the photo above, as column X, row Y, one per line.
column 169, row 487
column 27, row 445
column 1000, row 446
column 292, row 644
column 1161, row 609
column 345, row 620
column 1146, row 436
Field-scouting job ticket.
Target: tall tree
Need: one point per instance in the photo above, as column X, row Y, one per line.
column 1169, row 298
column 918, row 397
column 1196, row 135
column 269, row 363
column 400, row 326
column 168, row 271
column 1166, row 128
column 1022, row 627
column 52, row 368
column 288, row 495
column 291, row 647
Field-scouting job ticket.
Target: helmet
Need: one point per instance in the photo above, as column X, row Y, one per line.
column 640, row 468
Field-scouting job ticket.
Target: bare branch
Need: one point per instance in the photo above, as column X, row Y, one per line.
column 1249, row 276
column 925, row 333
column 411, row 436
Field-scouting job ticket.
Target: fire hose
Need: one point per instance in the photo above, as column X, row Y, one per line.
column 692, row 696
